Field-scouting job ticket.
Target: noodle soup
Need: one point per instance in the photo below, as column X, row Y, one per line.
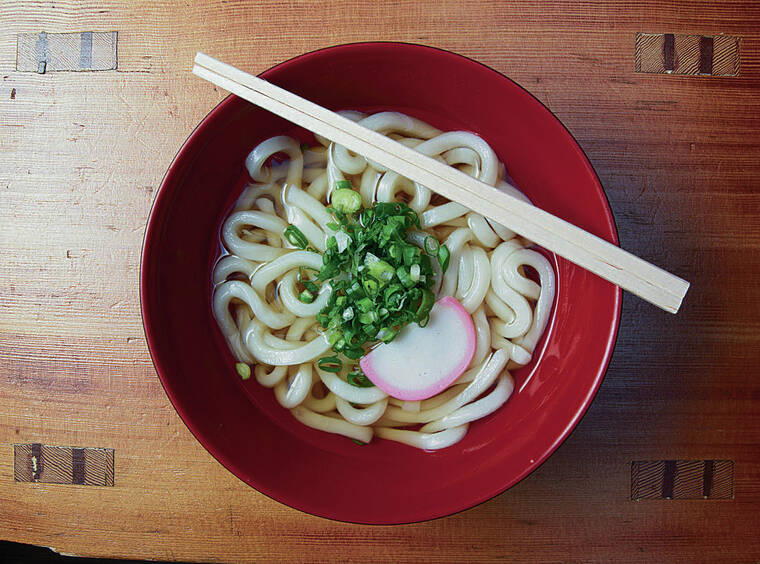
column 303, row 303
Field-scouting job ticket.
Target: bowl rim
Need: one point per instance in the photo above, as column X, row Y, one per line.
column 150, row 233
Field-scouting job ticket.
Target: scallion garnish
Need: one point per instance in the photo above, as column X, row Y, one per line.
column 306, row 297
column 243, row 370
column 358, row 379
column 431, row 245
column 443, row 257
column 330, row 364
column 380, row 282
column 296, row 237
column 345, row 200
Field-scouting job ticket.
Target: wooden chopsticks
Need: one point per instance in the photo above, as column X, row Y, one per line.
column 612, row 263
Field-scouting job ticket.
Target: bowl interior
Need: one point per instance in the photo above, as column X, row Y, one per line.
column 241, row 424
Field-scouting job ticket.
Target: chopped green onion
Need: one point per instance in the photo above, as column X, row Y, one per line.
column 358, row 442
column 296, row 237
column 365, row 304
column 443, row 257
column 334, row 337
column 353, row 353
column 386, row 335
column 370, row 286
column 426, row 304
column 414, row 272
column 358, row 379
column 355, row 291
column 342, row 185
column 346, row 200
column 304, row 146
column 306, row 297
column 310, row 286
column 368, row 317
column 411, row 255
column 243, row 370
column 380, row 282
column 431, row 245
column 403, row 275
column 330, row 364
column 381, row 270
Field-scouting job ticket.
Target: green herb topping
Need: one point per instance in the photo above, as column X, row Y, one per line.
column 380, row 282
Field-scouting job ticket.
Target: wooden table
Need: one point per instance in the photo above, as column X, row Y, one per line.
column 82, row 155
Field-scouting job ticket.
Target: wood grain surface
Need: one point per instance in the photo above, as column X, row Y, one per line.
column 81, row 158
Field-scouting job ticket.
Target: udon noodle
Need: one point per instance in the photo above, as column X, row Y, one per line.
column 256, row 304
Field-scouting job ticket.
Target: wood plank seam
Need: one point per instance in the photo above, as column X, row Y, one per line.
column 55, row 52
column 35, row 462
column 682, row 479
column 680, row 54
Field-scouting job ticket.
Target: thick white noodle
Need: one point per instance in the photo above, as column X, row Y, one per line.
column 332, row 425
column 347, row 162
column 313, row 233
column 391, row 183
column 466, row 271
column 477, row 409
column 482, row 381
column 396, row 122
column 441, row 214
column 289, row 295
column 361, row 416
column 253, row 338
column 271, row 378
column 299, row 328
column 232, row 264
column 254, row 192
column 368, row 186
column 291, row 391
column 518, row 356
column 334, row 174
column 455, row 243
column 343, row 389
column 320, row 405
column 252, row 251
column 489, row 162
column 256, row 160
column 545, row 299
column 307, row 203
column 482, row 231
column 318, row 188
column 276, row 268
column 425, row 441
column 262, row 311
column 482, row 336
column 474, row 278
column 464, row 156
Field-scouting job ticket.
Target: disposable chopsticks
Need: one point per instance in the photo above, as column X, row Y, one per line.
column 576, row 245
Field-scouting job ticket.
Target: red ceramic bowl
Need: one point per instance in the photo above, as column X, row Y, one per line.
column 241, row 424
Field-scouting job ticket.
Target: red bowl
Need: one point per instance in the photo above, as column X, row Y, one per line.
column 241, row 424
